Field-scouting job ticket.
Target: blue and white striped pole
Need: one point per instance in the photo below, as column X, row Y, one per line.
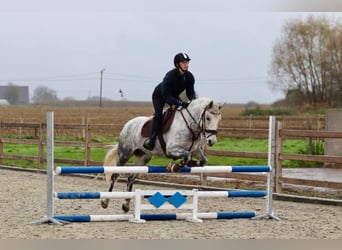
column 159, row 169
column 130, row 195
column 148, row 217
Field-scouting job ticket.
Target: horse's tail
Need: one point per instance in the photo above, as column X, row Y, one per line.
column 110, row 160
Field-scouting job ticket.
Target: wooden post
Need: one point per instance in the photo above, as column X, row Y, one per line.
column 203, row 179
column 84, row 130
column 278, row 161
column 203, row 176
column 41, row 147
column 87, row 142
column 308, row 126
column 1, row 144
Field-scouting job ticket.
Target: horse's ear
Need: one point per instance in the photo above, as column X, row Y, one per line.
column 220, row 106
column 211, row 104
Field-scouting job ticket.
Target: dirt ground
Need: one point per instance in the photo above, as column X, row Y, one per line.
column 23, row 200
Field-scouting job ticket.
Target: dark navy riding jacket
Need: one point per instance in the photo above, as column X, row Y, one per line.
column 173, row 85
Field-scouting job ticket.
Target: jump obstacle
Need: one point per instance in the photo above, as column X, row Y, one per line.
column 162, row 199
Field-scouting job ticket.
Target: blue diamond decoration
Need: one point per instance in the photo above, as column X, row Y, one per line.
column 157, row 199
column 177, row 200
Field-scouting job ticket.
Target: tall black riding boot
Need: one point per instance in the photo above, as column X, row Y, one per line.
column 156, row 125
column 150, row 142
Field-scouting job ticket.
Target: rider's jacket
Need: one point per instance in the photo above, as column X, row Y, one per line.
column 173, row 85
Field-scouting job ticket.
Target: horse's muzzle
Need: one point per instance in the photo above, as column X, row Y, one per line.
column 211, row 137
column 211, row 140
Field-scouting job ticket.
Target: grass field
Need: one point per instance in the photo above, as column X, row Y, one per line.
column 227, row 144
column 119, row 114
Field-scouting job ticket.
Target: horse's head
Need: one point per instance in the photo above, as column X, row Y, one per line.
column 211, row 121
column 209, row 117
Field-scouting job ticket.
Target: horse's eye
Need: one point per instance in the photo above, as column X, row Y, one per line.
column 208, row 118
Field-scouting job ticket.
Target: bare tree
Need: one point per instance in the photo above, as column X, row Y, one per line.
column 43, row 93
column 307, row 59
column 335, row 65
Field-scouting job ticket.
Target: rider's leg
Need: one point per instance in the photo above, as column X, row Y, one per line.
column 156, row 126
column 158, row 104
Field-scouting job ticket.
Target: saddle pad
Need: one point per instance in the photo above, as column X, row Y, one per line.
column 168, row 117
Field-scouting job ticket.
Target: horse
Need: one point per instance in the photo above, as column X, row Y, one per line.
column 193, row 128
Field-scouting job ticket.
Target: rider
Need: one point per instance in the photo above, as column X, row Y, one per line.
column 168, row 91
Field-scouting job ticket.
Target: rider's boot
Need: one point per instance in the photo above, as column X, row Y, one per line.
column 156, row 125
column 150, row 142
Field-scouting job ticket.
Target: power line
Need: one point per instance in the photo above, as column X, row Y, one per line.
column 73, row 75
column 131, row 78
column 235, row 79
column 44, row 80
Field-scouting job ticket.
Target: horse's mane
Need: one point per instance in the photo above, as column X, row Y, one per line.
column 201, row 103
column 202, row 100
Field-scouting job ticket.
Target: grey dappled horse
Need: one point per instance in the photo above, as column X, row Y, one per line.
column 184, row 140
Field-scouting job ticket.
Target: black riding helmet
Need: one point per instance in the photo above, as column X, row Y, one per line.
column 179, row 58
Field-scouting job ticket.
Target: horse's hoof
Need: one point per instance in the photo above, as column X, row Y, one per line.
column 202, row 163
column 173, row 167
column 192, row 163
column 125, row 207
column 104, row 204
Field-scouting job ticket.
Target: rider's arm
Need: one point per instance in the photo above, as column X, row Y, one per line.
column 190, row 90
column 167, row 90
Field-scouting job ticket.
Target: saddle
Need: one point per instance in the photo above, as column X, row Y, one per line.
column 168, row 117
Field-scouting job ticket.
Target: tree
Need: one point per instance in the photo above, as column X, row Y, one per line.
column 307, row 60
column 43, row 93
column 12, row 93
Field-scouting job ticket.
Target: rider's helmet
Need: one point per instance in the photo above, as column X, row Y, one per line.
column 179, row 58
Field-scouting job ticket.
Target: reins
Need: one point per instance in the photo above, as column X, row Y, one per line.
column 200, row 124
column 194, row 136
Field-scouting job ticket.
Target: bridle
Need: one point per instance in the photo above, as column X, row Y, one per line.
column 199, row 124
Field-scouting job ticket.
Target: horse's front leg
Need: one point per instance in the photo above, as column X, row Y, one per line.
column 130, row 181
column 114, row 178
column 186, row 157
column 178, row 153
column 200, row 155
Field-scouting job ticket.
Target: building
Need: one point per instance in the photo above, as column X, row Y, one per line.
column 4, row 102
column 23, row 94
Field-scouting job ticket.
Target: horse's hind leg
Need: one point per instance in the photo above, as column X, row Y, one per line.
column 141, row 159
column 113, row 180
column 130, row 181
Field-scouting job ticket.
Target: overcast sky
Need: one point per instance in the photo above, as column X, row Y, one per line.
column 65, row 44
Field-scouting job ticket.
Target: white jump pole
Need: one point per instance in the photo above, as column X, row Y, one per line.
column 50, row 172
column 271, row 152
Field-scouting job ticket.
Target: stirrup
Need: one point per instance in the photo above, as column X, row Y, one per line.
column 149, row 144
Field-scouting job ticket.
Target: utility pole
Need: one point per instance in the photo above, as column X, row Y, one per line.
column 101, row 87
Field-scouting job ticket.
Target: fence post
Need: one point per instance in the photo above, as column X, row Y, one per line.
column 87, row 141
column 309, row 127
column 203, row 177
column 278, row 161
column 41, row 147
column 271, row 145
column 1, row 144
column 20, row 128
